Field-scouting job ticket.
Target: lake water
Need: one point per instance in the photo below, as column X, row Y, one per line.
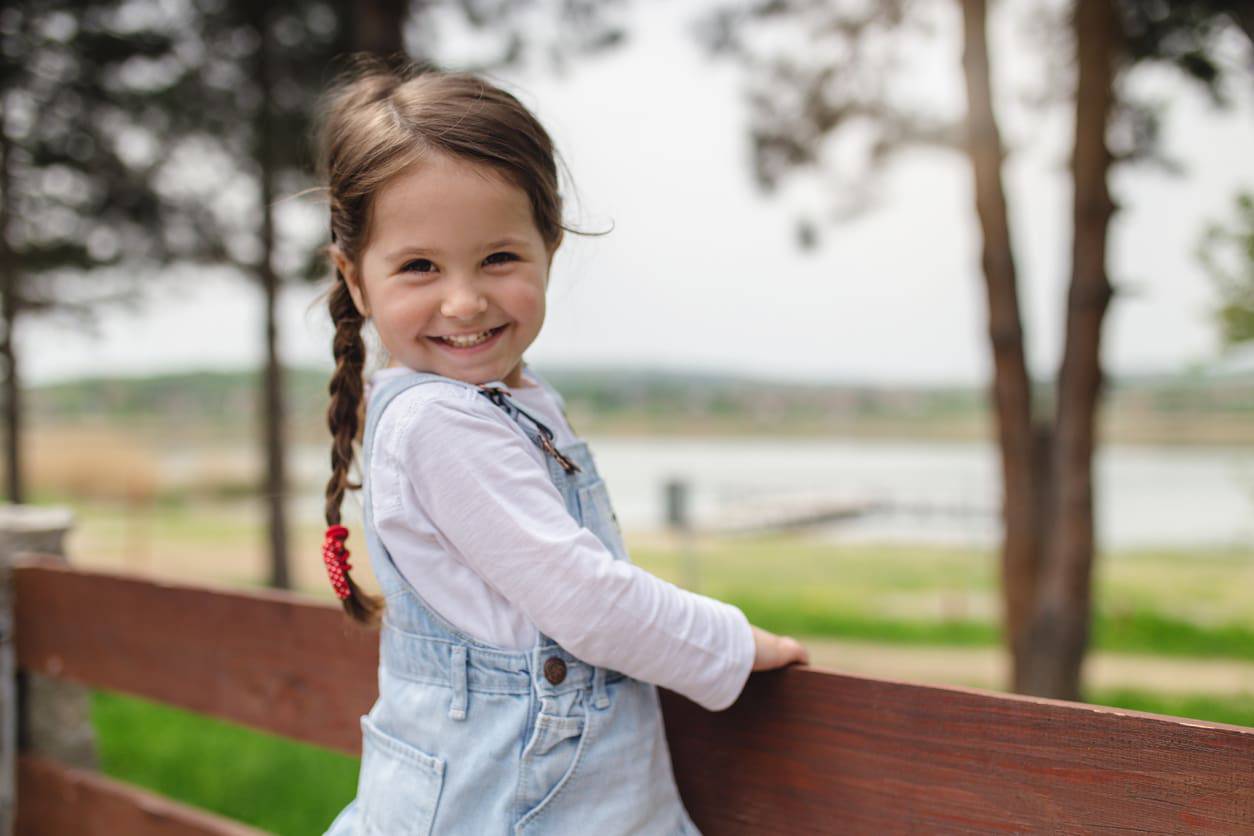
column 945, row 492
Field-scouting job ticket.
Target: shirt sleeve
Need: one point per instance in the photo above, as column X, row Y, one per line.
column 494, row 503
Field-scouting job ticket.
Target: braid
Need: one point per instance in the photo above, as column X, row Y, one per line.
column 344, row 419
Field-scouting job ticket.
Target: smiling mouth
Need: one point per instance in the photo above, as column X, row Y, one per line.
column 470, row 340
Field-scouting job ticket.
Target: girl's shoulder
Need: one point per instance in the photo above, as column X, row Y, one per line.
column 438, row 408
column 428, row 430
column 393, row 384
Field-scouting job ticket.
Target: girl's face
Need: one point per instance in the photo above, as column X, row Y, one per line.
column 452, row 252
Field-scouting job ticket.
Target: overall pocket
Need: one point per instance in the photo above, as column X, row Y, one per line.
column 398, row 787
column 599, row 517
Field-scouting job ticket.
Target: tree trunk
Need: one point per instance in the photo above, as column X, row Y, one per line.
column 1012, row 392
column 1059, row 632
column 9, row 306
column 378, row 26
column 272, row 378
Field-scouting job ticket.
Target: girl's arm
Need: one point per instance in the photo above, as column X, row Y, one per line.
column 493, row 504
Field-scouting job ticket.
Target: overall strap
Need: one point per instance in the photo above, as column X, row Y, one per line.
column 542, row 436
column 539, row 432
column 378, row 401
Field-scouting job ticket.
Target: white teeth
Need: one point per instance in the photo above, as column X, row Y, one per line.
column 466, row 342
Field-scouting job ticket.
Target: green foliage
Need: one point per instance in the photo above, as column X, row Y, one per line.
column 74, row 184
column 1228, row 254
column 1185, row 34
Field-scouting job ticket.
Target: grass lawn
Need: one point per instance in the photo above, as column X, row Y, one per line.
column 1195, row 603
column 267, row 781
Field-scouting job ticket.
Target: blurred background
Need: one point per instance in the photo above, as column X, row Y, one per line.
column 924, row 331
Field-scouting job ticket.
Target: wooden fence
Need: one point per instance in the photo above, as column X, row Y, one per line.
column 801, row 751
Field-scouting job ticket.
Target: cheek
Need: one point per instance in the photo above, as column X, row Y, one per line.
column 530, row 309
column 404, row 311
column 528, row 295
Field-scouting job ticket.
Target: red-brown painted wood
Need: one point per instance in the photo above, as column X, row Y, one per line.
column 806, row 751
column 57, row 800
column 268, row 659
column 802, row 750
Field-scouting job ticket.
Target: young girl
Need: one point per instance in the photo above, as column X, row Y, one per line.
column 520, row 649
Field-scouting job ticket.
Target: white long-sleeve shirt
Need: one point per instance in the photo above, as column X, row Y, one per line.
column 462, row 500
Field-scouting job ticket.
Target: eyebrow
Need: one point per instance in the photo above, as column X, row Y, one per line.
column 417, row 249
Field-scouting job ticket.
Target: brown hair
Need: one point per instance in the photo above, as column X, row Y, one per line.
column 375, row 121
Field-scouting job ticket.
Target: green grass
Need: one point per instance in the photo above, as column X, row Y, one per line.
column 781, row 614
column 269, row 782
column 1239, row 711
column 1136, row 632
column 1173, row 603
column 292, row 788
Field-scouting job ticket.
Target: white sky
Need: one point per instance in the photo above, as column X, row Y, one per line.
column 701, row 272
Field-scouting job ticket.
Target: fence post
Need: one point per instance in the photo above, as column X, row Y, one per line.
column 40, row 714
column 680, row 524
column 8, row 695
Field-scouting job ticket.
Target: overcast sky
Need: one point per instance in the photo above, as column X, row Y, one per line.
column 702, row 272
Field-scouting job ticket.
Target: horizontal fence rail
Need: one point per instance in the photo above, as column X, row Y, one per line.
column 275, row 661
column 58, row 799
column 801, row 750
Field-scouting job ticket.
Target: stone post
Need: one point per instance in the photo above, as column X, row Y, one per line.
column 39, row 714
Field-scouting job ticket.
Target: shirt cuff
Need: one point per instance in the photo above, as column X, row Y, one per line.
column 744, row 651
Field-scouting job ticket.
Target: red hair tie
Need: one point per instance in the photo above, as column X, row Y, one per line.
column 336, row 558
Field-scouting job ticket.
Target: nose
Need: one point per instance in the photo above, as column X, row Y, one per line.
column 463, row 301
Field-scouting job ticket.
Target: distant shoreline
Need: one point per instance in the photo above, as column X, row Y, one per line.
column 1187, row 411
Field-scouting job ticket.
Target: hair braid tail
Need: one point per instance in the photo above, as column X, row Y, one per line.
column 344, row 421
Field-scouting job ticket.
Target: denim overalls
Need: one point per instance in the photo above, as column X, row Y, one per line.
column 468, row 737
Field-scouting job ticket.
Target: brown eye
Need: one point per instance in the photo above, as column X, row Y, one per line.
column 503, row 258
column 418, row 265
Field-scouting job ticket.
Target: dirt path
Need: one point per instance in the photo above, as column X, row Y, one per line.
column 988, row 668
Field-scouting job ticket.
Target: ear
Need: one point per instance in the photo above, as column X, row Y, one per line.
column 349, row 272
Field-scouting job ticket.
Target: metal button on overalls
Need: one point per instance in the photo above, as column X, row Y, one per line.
column 554, row 670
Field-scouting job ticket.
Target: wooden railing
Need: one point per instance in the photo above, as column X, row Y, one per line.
column 802, row 750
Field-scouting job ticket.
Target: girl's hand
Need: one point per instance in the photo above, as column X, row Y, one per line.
column 772, row 651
